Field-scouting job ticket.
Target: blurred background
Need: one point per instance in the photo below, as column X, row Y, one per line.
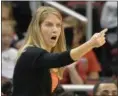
column 81, row 19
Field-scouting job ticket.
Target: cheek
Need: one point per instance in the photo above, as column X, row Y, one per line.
column 59, row 32
column 45, row 33
column 44, row 29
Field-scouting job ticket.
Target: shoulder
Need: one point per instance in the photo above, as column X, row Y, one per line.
column 32, row 49
column 29, row 55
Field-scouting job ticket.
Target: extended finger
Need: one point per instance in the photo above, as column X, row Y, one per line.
column 103, row 32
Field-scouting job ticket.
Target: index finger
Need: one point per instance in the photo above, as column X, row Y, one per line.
column 104, row 31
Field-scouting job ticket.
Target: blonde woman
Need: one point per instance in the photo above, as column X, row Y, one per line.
column 45, row 49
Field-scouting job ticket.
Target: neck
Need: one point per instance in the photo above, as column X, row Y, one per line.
column 48, row 49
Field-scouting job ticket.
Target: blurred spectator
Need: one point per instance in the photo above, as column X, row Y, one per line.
column 108, row 20
column 106, row 88
column 8, row 54
column 86, row 68
column 7, row 15
column 109, row 15
column 6, row 11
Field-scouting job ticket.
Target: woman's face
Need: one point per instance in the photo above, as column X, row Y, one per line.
column 50, row 30
column 107, row 90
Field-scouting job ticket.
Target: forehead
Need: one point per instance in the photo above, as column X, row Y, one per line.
column 107, row 86
column 52, row 18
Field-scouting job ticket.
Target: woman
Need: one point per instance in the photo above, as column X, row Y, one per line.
column 45, row 39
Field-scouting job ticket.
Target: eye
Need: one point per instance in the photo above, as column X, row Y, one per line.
column 49, row 24
column 114, row 93
column 58, row 25
column 105, row 93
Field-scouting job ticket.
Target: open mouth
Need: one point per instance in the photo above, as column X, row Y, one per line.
column 53, row 38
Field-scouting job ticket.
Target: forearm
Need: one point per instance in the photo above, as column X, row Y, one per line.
column 78, row 52
column 74, row 76
column 97, row 40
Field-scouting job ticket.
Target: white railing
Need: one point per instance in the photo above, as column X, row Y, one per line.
column 78, row 87
column 68, row 11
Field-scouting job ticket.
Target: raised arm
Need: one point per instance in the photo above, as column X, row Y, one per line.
column 41, row 58
column 97, row 40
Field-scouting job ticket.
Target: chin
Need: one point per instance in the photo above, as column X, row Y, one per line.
column 53, row 45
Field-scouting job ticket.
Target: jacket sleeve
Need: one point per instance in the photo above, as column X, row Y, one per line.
column 41, row 58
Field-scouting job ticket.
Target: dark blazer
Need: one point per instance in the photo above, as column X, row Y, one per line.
column 32, row 71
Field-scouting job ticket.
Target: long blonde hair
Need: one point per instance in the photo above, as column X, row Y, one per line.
column 34, row 37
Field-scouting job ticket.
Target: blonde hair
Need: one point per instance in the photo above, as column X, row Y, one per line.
column 34, row 37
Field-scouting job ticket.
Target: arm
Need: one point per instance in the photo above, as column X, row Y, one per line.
column 36, row 57
column 74, row 76
column 97, row 40
column 41, row 58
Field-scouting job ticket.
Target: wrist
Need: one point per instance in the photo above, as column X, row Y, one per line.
column 90, row 44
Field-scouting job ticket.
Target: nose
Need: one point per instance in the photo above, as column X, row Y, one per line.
column 55, row 29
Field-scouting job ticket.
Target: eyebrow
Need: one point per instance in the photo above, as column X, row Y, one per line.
column 51, row 22
column 105, row 91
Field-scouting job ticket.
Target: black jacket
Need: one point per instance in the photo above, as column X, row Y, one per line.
column 32, row 71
